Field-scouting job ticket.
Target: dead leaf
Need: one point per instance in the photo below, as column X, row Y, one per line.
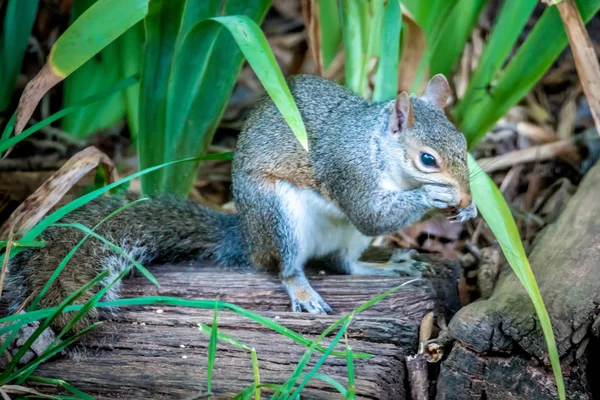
column 45, row 80
column 33, row 209
column 412, row 50
column 426, row 329
column 586, row 61
column 310, row 12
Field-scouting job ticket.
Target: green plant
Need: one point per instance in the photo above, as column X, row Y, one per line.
column 447, row 26
column 14, row 36
column 115, row 62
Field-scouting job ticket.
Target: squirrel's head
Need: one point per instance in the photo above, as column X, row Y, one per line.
column 428, row 148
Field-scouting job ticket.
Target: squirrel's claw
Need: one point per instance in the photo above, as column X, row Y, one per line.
column 464, row 214
column 304, row 297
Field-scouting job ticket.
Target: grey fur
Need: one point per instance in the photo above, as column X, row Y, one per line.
column 351, row 150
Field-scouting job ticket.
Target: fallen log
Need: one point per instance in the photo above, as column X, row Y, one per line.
column 500, row 351
column 158, row 352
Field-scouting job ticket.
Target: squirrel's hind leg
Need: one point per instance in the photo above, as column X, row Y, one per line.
column 279, row 230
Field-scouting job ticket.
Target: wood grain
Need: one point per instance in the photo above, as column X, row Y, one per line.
column 139, row 354
column 503, row 333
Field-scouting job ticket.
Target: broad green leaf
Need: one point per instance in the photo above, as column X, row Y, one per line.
column 202, row 78
column 255, row 47
column 14, row 38
column 450, row 40
column 131, row 46
column 386, row 77
column 497, row 214
column 331, row 30
column 162, row 28
column 355, row 34
column 98, row 26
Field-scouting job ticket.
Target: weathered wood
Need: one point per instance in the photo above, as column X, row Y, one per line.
column 503, row 333
column 139, row 354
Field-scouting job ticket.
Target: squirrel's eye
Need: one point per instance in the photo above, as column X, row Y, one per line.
column 428, row 160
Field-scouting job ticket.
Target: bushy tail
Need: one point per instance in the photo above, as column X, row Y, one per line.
column 158, row 230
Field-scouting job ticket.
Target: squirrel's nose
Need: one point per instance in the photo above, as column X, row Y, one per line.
column 465, row 200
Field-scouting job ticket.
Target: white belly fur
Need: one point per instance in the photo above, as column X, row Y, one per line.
column 321, row 227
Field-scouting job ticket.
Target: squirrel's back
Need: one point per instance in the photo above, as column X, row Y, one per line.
column 268, row 148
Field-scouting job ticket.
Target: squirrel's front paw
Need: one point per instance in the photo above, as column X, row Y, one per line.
column 443, row 197
column 465, row 214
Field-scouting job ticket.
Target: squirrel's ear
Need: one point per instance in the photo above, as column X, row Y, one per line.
column 437, row 91
column 402, row 116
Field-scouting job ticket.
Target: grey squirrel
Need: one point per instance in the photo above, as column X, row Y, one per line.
column 371, row 169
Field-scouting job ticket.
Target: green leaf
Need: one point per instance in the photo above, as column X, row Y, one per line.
column 14, row 38
column 314, row 369
column 212, row 349
column 118, row 60
column 331, row 31
column 386, row 77
column 162, row 28
column 507, row 29
column 449, row 41
column 97, row 27
column 355, row 34
column 255, row 47
column 500, row 220
column 11, row 141
column 6, row 375
column 202, row 78
column 60, row 383
column 543, row 45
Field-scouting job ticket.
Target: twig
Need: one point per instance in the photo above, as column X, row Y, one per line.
column 543, row 152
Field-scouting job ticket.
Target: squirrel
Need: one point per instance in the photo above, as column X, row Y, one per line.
column 371, row 168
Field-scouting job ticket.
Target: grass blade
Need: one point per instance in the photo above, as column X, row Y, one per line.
column 64, row 210
column 499, row 218
column 66, row 259
column 212, row 350
column 113, row 246
column 289, row 384
column 228, row 339
column 314, row 370
column 51, row 352
column 65, row 385
column 351, row 394
column 57, row 311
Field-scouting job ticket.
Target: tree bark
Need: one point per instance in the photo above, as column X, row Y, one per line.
column 501, row 352
column 143, row 353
